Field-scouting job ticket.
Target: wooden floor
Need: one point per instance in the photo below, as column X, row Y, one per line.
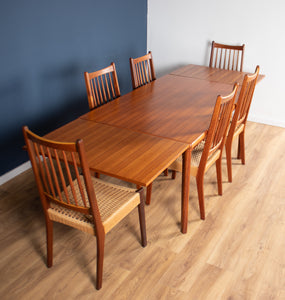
column 238, row 252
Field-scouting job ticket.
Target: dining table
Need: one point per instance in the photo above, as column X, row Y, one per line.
column 138, row 135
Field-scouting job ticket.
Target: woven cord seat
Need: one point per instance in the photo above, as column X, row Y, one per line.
column 113, row 203
column 195, row 158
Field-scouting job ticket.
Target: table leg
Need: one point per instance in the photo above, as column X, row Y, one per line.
column 185, row 189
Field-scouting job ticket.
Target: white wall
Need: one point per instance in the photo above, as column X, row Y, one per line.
column 180, row 32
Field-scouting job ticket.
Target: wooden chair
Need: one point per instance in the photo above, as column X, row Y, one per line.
column 208, row 148
column 238, row 123
column 68, row 197
column 102, row 86
column 142, row 70
column 227, row 57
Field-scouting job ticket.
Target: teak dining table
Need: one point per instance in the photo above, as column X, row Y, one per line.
column 138, row 135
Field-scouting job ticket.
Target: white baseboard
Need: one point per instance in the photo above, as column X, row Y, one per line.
column 267, row 121
column 13, row 173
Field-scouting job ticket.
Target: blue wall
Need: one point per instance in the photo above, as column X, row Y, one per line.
column 45, row 48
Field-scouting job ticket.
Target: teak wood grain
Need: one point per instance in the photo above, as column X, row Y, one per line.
column 212, row 74
column 121, row 153
column 172, row 107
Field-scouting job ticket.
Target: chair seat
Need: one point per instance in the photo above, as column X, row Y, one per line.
column 114, row 203
column 195, row 159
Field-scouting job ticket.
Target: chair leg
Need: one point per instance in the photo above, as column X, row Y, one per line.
column 229, row 160
column 49, row 233
column 238, row 152
column 100, row 259
column 148, row 194
column 200, row 188
column 242, row 147
column 165, row 172
column 142, row 220
column 173, row 174
column 219, row 175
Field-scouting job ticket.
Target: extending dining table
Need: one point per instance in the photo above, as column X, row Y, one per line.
column 138, row 135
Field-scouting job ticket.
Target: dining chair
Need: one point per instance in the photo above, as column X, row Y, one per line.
column 208, row 147
column 71, row 196
column 102, row 86
column 227, row 57
column 142, row 70
column 239, row 119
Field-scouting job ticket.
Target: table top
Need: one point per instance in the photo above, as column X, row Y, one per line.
column 212, row 74
column 125, row 154
column 172, row 107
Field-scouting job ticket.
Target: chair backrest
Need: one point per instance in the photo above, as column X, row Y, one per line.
column 227, row 57
column 218, row 129
column 57, row 167
column 244, row 100
column 142, row 70
column 102, row 86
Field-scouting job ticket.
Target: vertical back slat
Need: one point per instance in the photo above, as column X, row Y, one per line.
column 98, row 90
column 103, row 89
column 248, row 95
column 93, row 96
column 142, row 73
column 238, row 63
column 221, row 54
column 94, row 92
column 216, row 57
column 107, row 88
column 146, row 71
column 139, row 74
column 149, row 71
column 223, row 58
column 71, row 184
column 52, row 182
column 41, row 169
column 61, row 176
column 57, row 187
column 112, row 86
column 81, row 188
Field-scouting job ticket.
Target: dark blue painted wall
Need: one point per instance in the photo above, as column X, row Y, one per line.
column 45, row 48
